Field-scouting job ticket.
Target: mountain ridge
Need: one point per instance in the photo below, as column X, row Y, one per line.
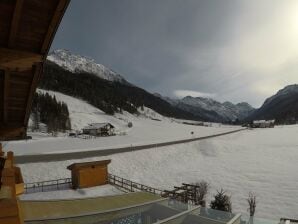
column 213, row 109
column 282, row 106
column 112, row 92
column 82, row 64
column 109, row 96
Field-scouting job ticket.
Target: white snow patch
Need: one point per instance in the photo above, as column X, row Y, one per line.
column 104, row 190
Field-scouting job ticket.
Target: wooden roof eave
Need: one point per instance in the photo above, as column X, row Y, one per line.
column 88, row 164
column 21, row 57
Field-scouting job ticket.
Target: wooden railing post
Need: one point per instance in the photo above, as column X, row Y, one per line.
column 10, row 159
column 1, row 150
column 8, row 179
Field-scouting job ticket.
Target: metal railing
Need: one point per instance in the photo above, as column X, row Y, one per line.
column 132, row 186
column 50, row 185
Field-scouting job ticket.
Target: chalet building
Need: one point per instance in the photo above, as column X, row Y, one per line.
column 99, row 129
column 263, row 124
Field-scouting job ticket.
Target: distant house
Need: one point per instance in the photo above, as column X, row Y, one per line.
column 197, row 123
column 99, row 129
column 263, row 123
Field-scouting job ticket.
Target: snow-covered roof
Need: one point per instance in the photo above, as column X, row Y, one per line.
column 263, row 121
column 97, row 126
column 88, row 164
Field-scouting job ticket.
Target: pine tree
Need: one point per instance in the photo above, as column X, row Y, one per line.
column 53, row 113
column 221, row 202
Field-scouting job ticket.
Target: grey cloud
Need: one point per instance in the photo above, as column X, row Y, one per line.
column 207, row 46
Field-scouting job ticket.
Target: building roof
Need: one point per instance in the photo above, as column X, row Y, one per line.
column 27, row 28
column 263, row 121
column 97, row 126
column 88, row 164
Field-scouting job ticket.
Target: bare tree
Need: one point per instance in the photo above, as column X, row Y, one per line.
column 201, row 192
column 252, row 202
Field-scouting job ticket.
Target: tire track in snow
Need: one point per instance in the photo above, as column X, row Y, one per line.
column 35, row 158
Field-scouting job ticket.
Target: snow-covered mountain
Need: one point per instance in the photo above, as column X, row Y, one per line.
column 287, row 91
column 283, row 106
column 213, row 109
column 77, row 63
column 69, row 77
column 189, row 107
column 227, row 110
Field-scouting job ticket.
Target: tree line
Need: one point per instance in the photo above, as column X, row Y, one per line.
column 46, row 109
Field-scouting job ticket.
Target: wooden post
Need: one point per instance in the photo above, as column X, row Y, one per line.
column 1, row 150
column 8, row 179
column 10, row 158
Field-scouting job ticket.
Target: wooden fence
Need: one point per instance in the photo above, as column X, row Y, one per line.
column 66, row 183
column 50, row 185
column 132, row 186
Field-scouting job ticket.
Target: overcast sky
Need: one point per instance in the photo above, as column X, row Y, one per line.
column 224, row 49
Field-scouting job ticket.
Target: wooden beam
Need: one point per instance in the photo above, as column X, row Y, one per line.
column 36, row 77
column 9, row 133
column 21, row 82
column 5, row 95
column 18, row 60
column 16, row 108
column 15, row 23
column 53, row 26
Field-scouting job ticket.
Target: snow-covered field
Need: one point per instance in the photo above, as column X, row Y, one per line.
column 263, row 161
column 145, row 130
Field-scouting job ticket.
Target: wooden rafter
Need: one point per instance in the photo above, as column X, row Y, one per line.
column 18, row 60
column 27, row 32
column 5, row 95
column 60, row 9
column 15, row 23
column 37, row 74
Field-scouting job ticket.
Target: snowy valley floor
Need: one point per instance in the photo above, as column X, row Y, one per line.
column 262, row 160
column 145, row 130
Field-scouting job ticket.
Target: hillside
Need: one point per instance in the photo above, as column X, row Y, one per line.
column 148, row 127
column 283, row 106
column 101, row 87
column 107, row 90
